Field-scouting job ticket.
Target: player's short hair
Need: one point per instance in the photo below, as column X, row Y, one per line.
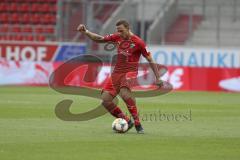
column 122, row 22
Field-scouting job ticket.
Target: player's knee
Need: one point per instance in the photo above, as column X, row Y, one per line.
column 125, row 95
column 105, row 103
column 106, row 97
column 108, row 105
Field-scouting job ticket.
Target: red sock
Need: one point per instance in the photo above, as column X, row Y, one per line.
column 133, row 110
column 115, row 110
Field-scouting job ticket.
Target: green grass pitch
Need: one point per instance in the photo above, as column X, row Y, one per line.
column 196, row 126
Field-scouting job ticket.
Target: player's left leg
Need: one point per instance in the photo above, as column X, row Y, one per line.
column 114, row 110
column 130, row 101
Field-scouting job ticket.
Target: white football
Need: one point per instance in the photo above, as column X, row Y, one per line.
column 120, row 125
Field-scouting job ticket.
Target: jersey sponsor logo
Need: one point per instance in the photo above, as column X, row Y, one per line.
column 124, row 52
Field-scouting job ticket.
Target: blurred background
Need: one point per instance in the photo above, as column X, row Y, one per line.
column 198, row 40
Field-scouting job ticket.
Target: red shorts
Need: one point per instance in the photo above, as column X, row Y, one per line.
column 118, row 80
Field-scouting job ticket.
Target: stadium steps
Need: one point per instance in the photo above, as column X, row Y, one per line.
column 179, row 31
column 207, row 34
column 208, row 2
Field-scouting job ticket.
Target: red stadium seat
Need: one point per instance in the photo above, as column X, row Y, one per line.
column 35, row 7
column 49, row 29
column 11, row 37
column 18, row 38
column 39, row 29
column 53, row 19
column 40, row 38
column 13, row 7
column 36, row 19
column 14, row 18
column 53, row 8
column 4, row 37
column 48, row 1
column 27, row 29
column 30, row 1
column 45, row 8
column 29, row 38
column 26, row 18
column 24, row 7
column 16, row 29
column 4, row 28
column 4, row 18
column 53, row 1
column 41, row 1
column 3, row 7
column 18, row 1
column 47, row 19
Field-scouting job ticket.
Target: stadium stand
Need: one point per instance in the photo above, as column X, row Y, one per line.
column 207, row 35
column 220, row 25
column 28, row 20
column 92, row 13
column 189, row 22
column 197, row 23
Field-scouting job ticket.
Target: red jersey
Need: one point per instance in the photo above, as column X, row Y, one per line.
column 129, row 52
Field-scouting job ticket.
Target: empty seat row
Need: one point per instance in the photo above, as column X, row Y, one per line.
column 29, row 1
column 15, row 18
column 48, row 29
column 25, row 7
column 23, row 37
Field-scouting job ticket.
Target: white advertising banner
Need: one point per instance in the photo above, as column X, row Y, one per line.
column 196, row 57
